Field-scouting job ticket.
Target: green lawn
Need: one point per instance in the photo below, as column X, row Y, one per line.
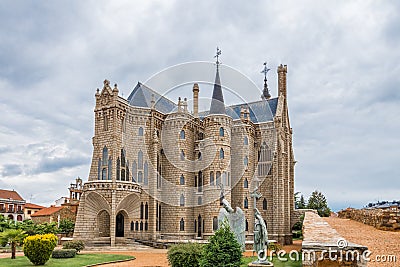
column 78, row 261
column 276, row 261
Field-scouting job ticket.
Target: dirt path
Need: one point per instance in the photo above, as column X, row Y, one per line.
column 380, row 243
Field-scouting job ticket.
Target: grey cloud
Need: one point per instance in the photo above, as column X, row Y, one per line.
column 48, row 165
column 11, row 170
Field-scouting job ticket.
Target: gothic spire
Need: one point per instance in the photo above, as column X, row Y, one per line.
column 265, row 94
column 217, row 101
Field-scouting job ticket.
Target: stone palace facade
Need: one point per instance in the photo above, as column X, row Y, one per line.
column 157, row 169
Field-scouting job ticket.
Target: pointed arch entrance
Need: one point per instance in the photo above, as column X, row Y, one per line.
column 119, row 225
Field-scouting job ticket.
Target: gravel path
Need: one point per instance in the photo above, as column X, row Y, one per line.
column 380, row 243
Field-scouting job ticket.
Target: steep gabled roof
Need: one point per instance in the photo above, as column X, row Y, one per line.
column 47, row 211
column 142, row 95
column 8, row 194
column 259, row 112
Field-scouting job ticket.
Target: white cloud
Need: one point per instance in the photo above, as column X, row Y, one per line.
column 342, row 81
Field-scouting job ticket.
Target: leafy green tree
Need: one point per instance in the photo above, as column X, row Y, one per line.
column 317, row 201
column 66, row 226
column 222, row 250
column 302, row 203
column 6, row 223
column 14, row 237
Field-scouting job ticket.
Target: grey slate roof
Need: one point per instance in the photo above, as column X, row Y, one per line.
column 217, row 101
column 141, row 96
column 259, row 111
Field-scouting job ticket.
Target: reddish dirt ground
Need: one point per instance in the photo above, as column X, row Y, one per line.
column 381, row 243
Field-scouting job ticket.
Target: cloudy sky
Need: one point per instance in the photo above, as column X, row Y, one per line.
column 343, row 62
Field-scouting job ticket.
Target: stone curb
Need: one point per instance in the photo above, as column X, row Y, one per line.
column 109, row 262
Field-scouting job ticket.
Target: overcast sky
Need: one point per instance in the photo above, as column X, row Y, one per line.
column 343, row 62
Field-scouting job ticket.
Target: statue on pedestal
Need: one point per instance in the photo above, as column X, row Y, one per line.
column 260, row 245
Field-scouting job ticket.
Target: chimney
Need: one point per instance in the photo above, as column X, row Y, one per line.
column 196, row 100
column 282, row 70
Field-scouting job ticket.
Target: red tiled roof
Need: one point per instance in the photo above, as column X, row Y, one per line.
column 46, row 211
column 33, row 206
column 10, row 194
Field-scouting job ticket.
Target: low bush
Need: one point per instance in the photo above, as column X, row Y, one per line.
column 185, row 255
column 223, row 250
column 78, row 245
column 63, row 253
column 38, row 248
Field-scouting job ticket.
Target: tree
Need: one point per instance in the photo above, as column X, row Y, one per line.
column 6, row 223
column 302, row 203
column 13, row 236
column 222, row 250
column 317, row 201
column 299, row 202
column 66, row 226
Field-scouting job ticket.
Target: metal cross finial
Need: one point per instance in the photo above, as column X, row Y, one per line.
column 265, row 71
column 217, row 55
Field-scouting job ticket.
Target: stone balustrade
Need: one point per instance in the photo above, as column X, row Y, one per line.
column 323, row 246
column 117, row 185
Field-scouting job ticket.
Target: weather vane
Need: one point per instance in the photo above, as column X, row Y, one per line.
column 265, row 71
column 217, row 56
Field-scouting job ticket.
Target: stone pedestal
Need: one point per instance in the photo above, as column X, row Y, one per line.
column 260, row 264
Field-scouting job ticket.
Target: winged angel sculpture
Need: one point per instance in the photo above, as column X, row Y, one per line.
column 236, row 219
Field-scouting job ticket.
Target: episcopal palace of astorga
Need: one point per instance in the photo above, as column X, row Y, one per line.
column 157, row 169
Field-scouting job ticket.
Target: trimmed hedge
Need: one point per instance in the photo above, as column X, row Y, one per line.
column 78, row 245
column 185, row 255
column 38, row 248
column 63, row 253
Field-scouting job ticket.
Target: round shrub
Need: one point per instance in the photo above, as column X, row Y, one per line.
column 78, row 245
column 185, row 255
column 223, row 250
column 38, row 248
column 63, row 253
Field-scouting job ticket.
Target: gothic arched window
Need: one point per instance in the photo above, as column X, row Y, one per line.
column 140, row 160
column 182, row 225
column 182, row 200
column 215, row 223
column 182, row 155
column 104, row 174
column 140, row 177
column 247, row 225
column 99, row 169
column 246, row 161
column 105, row 155
column 246, row 203
column 146, row 211
column 182, row 134
column 246, row 140
column 218, row 178
column 211, row 178
column 141, row 210
column 118, row 169
column 265, row 204
column 182, row 180
column 134, row 171
column 246, row 183
column 221, row 131
column 140, row 131
column 109, row 169
column 146, row 174
column 221, row 154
